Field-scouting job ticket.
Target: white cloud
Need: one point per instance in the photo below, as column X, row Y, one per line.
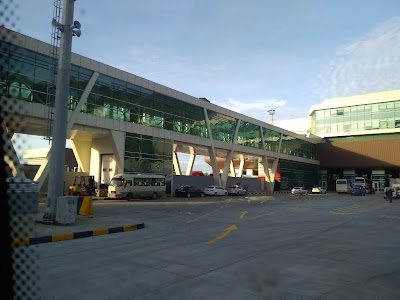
column 366, row 65
column 257, row 109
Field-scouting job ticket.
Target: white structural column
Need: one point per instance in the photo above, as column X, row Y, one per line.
column 118, row 145
column 214, row 166
column 241, row 165
column 11, row 157
column 270, row 172
column 82, row 152
column 229, row 157
column 175, row 160
column 232, row 170
column 43, row 171
column 192, row 158
column 211, row 151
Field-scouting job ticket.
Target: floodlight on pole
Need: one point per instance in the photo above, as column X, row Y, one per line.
column 272, row 113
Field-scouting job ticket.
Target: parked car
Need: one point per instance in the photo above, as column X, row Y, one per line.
column 236, row 190
column 357, row 190
column 318, row 190
column 215, row 190
column 189, row 191
column 297, row 190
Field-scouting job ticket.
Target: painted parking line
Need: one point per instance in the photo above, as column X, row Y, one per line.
column 222, row 235
column 263, row 215
column 243, row 213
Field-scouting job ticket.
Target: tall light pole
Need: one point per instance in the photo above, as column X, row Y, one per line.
column 272, row 113
column 68, row 28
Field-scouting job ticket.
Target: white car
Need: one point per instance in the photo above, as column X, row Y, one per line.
column 215, row 190
column 318, row 190
column 297, row 190
column 236, row 190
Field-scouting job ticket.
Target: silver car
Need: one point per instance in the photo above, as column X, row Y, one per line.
column 236, row 190
column 297, row 190
column 215, row 190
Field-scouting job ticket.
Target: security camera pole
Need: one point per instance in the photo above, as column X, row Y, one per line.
column 59, row 134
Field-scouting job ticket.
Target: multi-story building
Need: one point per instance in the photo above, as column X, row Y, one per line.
column 120, row 122
column 362, row 137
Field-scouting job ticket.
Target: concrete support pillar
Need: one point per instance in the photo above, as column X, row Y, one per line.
column 192, row 158
column 232, row 170
column 175, row 160
column 11, row 156
column 214, row 166
column 82, row 151
column 241, row 165
column 225, row 171
column 118, row 146
column 269, row 172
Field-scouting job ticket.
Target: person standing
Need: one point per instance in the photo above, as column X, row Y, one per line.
column 389, row 194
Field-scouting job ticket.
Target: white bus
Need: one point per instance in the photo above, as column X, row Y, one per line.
column 129, row 186
column 342, row 186
column 367, row 184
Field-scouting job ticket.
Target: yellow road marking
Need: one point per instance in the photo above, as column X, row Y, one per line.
column 130, row 228
column 224, row 234
column 20, row 242
column 263, row 215
column 62, row 237
column 243, row 214
column 100, row 232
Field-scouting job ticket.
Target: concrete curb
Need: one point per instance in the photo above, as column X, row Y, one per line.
column 74, row 235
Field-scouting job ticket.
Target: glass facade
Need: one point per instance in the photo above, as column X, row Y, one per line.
column 296, row 147
column 222, row 127
column 25, row 75
column 296, row 174
column 356, row 118
column 271, row 139
column 146, row 154
column 249, row 135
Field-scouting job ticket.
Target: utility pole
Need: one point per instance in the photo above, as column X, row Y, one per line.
column 59, row 133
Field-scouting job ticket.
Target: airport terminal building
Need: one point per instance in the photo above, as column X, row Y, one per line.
column 361, row 137
column 121, row 123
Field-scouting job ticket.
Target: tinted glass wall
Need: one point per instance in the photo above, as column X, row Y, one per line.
column 146, row 154
column 222, row 127
column 26, row 75
column 296, row 147
column 249, row 135
column 296, row 174
column 357, row 118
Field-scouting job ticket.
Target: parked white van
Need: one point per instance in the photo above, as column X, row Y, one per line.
column 130, row 186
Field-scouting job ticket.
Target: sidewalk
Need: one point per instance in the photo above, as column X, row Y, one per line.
column 30, row 229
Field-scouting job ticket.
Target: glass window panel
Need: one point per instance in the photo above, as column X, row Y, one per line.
column 390, row 105
column 383, row 124
column 382, row 106
column 249, row 134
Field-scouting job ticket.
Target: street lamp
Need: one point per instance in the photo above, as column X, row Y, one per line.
column 272, row 113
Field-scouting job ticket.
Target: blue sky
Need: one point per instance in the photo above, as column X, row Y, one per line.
column 249, row 56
